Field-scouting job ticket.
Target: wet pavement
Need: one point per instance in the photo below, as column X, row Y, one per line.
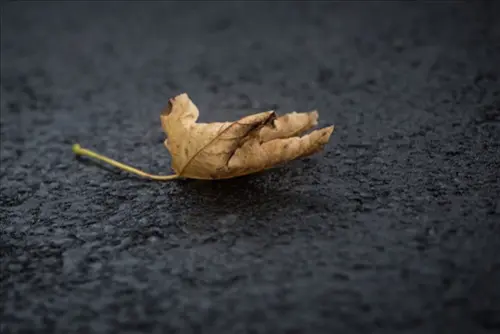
column 392, row 228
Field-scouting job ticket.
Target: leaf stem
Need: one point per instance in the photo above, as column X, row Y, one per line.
column 78, row 150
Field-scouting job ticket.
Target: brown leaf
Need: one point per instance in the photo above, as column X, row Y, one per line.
column 224, row 150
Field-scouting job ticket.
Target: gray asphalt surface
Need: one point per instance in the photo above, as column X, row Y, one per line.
column 393, row 228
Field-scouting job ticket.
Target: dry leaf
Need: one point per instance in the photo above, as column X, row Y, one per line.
column 224, row 150
column 228, row 149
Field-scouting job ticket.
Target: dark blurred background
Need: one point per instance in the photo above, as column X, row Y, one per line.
column 392, row 228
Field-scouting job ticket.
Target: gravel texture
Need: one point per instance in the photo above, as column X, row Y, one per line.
column 393, row 228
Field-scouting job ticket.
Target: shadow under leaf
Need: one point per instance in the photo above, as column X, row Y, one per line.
column 252, row 202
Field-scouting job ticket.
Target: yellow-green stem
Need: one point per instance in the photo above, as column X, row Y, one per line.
column 78, row 150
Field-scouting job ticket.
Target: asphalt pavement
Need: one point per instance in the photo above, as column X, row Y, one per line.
column 394, row 227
